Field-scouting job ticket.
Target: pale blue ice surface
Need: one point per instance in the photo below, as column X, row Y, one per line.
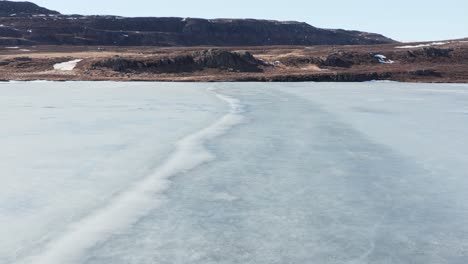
column 282, row 173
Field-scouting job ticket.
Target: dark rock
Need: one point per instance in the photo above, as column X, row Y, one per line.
column 425, row 73
column 436, row 52
column 171, row 31
column 340, row 59
column 342, row 77
column 426, row 53
column 223, row 59
column 9, row 8
column 335, row 60
column 9, row 32
column 22, row 59
column 117, row 64
column 410, row 54
column 212, row 58
column 165, row 65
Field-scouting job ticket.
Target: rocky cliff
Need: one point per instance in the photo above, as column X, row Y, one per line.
column 24, row 23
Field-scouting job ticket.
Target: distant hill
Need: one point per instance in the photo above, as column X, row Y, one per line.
column 24, row 23
column 8, row 8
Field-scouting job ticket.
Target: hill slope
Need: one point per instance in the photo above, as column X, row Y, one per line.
column 25, row 23
column 9, row 8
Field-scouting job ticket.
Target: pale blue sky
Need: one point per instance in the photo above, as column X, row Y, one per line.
column 404, row 20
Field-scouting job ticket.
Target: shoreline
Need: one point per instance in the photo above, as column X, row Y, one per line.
column 243, row 81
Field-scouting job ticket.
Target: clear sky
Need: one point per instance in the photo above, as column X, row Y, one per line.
column 404, row 20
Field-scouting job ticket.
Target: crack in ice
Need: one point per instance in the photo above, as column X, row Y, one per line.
column 134, row 203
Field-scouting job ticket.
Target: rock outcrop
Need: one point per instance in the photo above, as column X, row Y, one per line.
column 178, row 64
column 429, row 52
column 212, row 58
column 223, row 59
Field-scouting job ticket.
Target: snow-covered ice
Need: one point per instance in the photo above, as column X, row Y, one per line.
column 67, row 66
column 103, row 172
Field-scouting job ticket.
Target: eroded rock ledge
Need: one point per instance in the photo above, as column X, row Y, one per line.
column 199, row 60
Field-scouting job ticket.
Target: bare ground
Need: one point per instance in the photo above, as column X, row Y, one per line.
column 432, row 63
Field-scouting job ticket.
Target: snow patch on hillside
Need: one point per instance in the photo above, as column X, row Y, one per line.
column 67, row 66
column 383, row 59
column 422, row 45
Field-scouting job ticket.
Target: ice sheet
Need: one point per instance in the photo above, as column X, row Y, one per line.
column 128, row 207
column 69, row 148
column 263, row 173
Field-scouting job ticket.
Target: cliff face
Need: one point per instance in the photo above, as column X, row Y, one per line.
column 27, row 24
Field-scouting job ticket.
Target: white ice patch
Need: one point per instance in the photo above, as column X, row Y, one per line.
column 67, row 66
column 11, row 47
column 422, row 45
column 137, row 201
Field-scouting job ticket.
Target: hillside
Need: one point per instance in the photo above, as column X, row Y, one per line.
column 9, row 8
column 25, row 23
column 40, row 44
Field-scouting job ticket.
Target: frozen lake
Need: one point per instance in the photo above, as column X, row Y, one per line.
column 172, row 173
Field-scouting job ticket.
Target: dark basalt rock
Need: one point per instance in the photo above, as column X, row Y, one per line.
column 22, row 59
column 425, row 73
column 426, row 54
column 212, row 58
column 429, row 52
column 335, row 60
column 223, row 59
column 342, row 77
column 117, row 64
column 436, row 52
column 9, row 8
column 55, row 29
column 165, row 65
column 339, row 60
